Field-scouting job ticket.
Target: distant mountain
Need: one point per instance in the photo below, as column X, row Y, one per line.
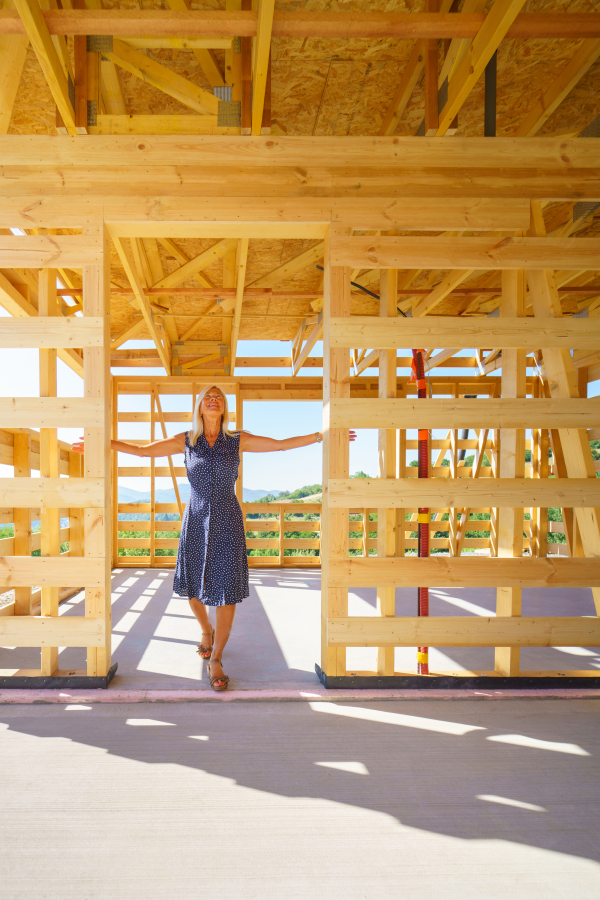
column 167, row 495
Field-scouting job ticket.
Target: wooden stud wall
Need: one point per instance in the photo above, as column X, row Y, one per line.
column 84, row 496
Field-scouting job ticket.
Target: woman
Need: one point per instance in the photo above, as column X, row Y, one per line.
column 212, row 568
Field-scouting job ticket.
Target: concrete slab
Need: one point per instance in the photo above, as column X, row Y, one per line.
column 322, row 801
column 276, row 640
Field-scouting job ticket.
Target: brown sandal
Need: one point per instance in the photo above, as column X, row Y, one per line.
column 204, row 652
column 215, row 678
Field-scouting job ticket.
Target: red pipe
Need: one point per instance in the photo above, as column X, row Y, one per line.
column 424, row 514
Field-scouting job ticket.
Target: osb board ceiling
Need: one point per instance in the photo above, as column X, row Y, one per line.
column 344, row 87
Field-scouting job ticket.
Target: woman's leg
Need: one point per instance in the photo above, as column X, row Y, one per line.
column 225, row 617
column 201, row 614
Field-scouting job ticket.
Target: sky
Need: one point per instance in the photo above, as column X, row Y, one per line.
column 19, row 377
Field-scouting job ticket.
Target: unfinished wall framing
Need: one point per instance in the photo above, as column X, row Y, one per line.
column 448, row 245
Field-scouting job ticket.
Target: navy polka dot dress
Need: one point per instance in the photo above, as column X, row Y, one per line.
column 211, row 562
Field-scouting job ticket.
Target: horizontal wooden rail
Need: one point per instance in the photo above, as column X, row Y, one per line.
column 464, row 631
column 395, row 493
column 52, row 492
column 476, row 332
column 49, row 251
column 465, row 253
column 443, row 571
column 465, row 413
column 51, row 571
column 301, row 23
column 51, row 412
column 50, row 331
column 52, row 631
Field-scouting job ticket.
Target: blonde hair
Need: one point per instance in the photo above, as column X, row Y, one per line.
column 198, row 422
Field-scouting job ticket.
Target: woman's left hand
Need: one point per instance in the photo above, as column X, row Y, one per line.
column 352, row 435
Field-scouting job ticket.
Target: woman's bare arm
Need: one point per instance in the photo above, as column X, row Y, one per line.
column 254, row 443
column 165, row 447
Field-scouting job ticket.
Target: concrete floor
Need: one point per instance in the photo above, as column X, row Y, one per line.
column 458, row 800
column 275, row 641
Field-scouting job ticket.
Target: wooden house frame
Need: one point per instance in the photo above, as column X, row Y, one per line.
column 518, row 208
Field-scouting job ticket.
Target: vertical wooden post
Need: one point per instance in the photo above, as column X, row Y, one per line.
column 93, row 86
column 401, row 473
column 281, row 532
column 334, row 522
column 431, row 77
column 152, row 479
column 75, row 515
column 114, row 457
column 80, row 57
column 386, row 518
column 452, row 518
column 50, row 518
column 266, row 118
column 22, row 519
column 246, row 73
column 512, row 465
column 228, row 282
column 239, row 426
column 97, row 460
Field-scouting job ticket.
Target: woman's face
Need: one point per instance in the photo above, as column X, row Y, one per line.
column 213, row 403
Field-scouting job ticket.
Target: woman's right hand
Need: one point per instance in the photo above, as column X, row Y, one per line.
column 78, row 445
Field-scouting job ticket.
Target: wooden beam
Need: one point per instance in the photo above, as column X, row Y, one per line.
column 43, row 251
column 51, row 332
column 51, row 412
column 467, row 252
column 37, row 31
column 240, row 265
column 398, row 154
column 49, row 631
column 261, row 56
column 485, row 43
column 466, row 413
column 571, row 74
column 13, row 50
column 334, row 523
column 512, row 465
column 230, row 23
column 460, row 493
column 49, row 463
column 431, row 57
column 129, row 332
column 193, row 266
column 460, row 631
column 206, row 58
column 291, row 267
column 51, row 492
column 128, row 264
column 441, row 291
column 387, row 458
column 404, row 91
column 162, row 78
column 436, row 331
column 444, row 571
column 158, row 124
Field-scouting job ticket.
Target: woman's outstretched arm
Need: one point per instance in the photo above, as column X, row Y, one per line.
column 254, row 443
column 165, row 447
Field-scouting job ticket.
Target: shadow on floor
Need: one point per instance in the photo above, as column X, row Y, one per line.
column 276, row 637
column 524, row 772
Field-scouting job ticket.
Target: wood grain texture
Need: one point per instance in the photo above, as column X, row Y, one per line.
column 464, row 492
column 461, row 631
column 464, row 413
column 51, row 631
column 479, row 332
column 49, row 331
column 444, row 571
column 53, row 493
column 466, row 252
